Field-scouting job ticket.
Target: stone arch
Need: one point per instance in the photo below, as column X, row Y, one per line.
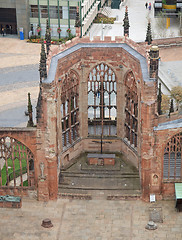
column 70, row 108
column 172, row 158
column 131, row 109
column 16, row 163
column 102, row 108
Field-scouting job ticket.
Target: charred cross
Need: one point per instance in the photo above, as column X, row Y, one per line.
column 101, row 143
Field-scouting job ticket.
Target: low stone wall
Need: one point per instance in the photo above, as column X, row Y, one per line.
column 75, row 196
column 168, row 42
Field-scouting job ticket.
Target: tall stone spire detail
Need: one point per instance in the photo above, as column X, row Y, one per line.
column 171, row 109
column 48, row 36
column 126, row 24
column 159, row 100
column 30, row 121
column 42, row 64
column 149, row 34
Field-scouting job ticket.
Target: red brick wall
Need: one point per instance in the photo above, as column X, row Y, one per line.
column 149, row 157
column 161, row 139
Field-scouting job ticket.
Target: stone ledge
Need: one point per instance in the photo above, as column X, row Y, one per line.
column 123, row 197
column 75, row 196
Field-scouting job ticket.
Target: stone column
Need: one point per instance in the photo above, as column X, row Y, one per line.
column 51, row 142
column 83, row 102
column 121, row 98
column 22, row 14
column 148, row 115
column 47, row 153
column 153, row 71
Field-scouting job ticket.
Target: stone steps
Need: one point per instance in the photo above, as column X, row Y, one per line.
column 80, row 179
column 100, row 183
column 100, row 175
column 99, row 194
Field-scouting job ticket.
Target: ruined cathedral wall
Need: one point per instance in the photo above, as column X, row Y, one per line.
column 47, row 143
column 26, row 136
column 148, row 122
column 158, row 185
column 83, row 61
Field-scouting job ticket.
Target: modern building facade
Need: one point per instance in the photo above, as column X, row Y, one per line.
column 169, row 8
column 31, row 15
column 14, row 15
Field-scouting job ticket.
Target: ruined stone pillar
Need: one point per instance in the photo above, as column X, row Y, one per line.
column 83, row 105
column 154, row 62
column 47, row 145
column 148, row 115
column 53, row 179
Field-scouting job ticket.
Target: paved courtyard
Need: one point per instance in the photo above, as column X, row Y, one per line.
column 19, row 75
column 89, row 220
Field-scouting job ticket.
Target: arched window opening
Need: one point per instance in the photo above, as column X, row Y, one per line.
column 131, row 110
column 172, row 158
column 102, row 109
column 69, row 109
column 16, row 164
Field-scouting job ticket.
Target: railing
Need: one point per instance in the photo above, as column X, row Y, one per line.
column 17, row 173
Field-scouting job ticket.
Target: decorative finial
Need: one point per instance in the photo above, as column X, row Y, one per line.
column 159, row 100
column 48, row 36
column 149, row 34
column 126, row 24
column 30, row 121
column 171, row 106
column 42, row 64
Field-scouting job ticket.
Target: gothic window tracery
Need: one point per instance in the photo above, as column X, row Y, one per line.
column 172, row 158
column 16, row 164
column 69, row 109
column 131, row 110
column 102, row 109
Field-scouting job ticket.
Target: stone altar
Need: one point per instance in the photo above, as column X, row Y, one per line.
column 101, row 159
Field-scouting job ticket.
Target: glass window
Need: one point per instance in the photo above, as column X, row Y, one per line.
column 53, row 12
column 72, row 12
column 131, row 110
column 60, row 12
column 101, row 101
column 69, row 109
column 43, row 11
column 172, row 159
column 34, row 11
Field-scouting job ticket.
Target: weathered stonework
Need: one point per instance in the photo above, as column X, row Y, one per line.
column 80, row 56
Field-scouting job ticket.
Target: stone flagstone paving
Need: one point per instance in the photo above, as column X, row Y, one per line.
column 89, row 220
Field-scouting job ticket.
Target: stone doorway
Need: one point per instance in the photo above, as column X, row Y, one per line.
column 120, row 179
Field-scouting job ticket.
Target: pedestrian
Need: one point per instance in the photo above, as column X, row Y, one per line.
column 2, row 31
column 149, row 6
column 146, row 5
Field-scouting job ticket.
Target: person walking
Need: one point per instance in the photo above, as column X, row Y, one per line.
column 2, row 31
column 146, row 5
column 149, row 5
